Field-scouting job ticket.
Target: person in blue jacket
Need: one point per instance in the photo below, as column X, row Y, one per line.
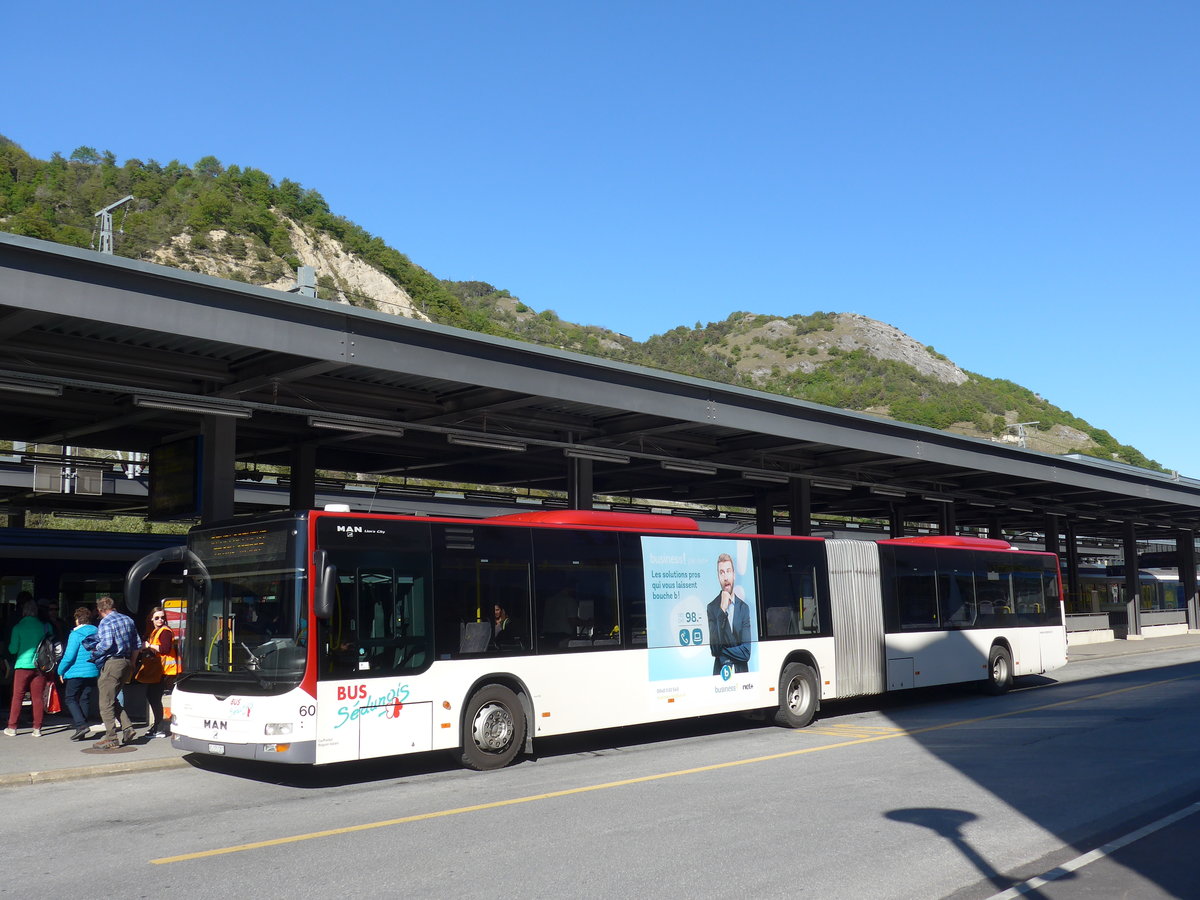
column 79, row 673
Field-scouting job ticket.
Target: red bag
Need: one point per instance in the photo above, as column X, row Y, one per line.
column 52, row 700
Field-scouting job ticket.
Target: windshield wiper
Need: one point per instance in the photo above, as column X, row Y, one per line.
column 253, row 667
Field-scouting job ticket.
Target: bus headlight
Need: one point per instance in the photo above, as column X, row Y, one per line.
column 278, row 728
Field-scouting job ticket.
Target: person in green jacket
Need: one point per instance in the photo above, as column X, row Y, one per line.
column 26, row 635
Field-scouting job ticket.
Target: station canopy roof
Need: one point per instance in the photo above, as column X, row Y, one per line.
column 104, row 352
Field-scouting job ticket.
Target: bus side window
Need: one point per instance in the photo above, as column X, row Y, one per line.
column 633, row 591
column 956, row 590
column 478, row 569
column 339, row 634
column 380, row 622
column 789, row 588
column 915, row 585
column 575, row 578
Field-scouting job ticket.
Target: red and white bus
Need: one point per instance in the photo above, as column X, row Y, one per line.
column 320, row 637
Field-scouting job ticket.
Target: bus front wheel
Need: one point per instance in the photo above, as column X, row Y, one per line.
column 1000, row 671
column 797, row 696
column 494, row 728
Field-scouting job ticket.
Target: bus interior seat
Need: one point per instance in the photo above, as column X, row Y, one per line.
column 474, row 637
column 509, row 640
column 964, row 614
column 781, row 620
column 585, row 614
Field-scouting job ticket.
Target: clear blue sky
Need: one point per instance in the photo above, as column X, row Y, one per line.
column 1014, row 183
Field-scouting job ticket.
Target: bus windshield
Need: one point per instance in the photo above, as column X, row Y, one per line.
column 245, row 619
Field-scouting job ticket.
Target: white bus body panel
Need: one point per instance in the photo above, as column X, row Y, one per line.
column 948, row 657
column 870, row 661
column 567, row 693
column 254, row 724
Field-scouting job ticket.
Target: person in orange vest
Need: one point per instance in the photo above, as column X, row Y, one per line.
column 161, row 640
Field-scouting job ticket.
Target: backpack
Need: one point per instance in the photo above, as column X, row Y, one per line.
column 48, row 653
column 148, row 667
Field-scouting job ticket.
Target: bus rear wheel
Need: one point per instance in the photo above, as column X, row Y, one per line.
column 493, row 728
column 797, row 696
column 1000, row 671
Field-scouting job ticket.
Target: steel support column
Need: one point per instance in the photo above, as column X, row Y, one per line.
column 895, row 520
column 1052, row 534
column 217, row 475
column 764, row 514
column 579, row 483
column 1185, row 550
column 948, row 523
column 302, row 486
column 1072, row 586
column 1133, row 593
column 800, row 507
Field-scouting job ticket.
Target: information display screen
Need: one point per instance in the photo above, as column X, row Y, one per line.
column 175, row 479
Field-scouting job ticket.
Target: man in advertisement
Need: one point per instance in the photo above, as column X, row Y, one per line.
column 729, row 632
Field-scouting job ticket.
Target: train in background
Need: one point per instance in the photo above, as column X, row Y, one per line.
column 1102, row 600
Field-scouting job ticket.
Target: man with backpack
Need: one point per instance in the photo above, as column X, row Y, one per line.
column 27, row 634
column 116, row 642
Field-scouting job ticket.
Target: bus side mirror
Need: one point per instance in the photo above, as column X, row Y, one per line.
column 326, row 589
column 147, row 564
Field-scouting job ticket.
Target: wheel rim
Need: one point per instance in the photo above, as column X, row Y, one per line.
column 797, row 694
column 1000, row 670
column 493, row 727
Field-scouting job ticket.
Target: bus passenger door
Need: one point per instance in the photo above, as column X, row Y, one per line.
column 375, row 643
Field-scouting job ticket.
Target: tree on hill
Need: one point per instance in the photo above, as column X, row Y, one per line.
column 184, row 209
column 56, row 200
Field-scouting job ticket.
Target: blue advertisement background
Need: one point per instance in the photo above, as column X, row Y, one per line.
column 680, row 581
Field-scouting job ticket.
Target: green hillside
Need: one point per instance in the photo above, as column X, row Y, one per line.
column 241, row 223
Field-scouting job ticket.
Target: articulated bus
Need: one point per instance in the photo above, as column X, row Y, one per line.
column 322, row 637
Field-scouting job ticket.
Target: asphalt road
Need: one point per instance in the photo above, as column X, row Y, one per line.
column 933, row 794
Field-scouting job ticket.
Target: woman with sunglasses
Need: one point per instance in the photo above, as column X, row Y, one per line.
column 162, row 642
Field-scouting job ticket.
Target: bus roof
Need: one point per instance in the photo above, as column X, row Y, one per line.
column 590, row 518
column 952, row 540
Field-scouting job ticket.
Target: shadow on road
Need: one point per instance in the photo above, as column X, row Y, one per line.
column 1015, row 746
column 611, row 740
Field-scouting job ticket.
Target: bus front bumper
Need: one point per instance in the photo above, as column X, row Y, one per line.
column 297, row 752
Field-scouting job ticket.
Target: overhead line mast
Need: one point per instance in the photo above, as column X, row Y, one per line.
column 106, row 225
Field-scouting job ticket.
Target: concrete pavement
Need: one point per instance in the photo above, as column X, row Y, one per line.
column 25, row 759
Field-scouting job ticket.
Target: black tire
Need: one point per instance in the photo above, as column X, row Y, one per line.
column 1000, row 671
column 797, row 696
column 493, row 728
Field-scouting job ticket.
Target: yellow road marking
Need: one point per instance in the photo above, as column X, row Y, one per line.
column 835, row 729
column 885, row 735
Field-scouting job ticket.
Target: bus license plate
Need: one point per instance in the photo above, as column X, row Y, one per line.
column 218, row 749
